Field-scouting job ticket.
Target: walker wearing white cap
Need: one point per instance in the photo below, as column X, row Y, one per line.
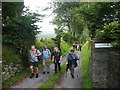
column 57, row 58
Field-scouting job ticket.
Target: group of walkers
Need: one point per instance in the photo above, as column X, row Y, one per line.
column 45, row 56
column 77, row 46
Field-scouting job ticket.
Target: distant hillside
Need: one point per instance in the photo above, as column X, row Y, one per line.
column 46, row 34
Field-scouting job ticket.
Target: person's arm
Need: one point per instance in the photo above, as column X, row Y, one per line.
column 49, row 53
column 60, row 58
column 53, row 58
column 76, row 57
column 67, row 59
column 38, row 53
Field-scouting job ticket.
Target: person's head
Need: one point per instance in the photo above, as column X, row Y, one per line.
column 32, row 47
column 56, row 49
column 45, row 47
column 72, row 51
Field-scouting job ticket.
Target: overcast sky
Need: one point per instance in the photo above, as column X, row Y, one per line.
column 39, row 5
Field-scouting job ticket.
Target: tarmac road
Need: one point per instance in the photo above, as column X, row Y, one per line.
column 36, row 82
column 67, row 81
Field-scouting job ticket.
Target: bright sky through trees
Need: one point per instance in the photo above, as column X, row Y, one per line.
column 38, row 6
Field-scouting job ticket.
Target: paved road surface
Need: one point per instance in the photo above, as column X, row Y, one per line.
column 67, row 81
column 36, row 82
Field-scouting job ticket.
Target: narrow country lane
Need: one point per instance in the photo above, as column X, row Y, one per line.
column 36, row 82
column 67, row 81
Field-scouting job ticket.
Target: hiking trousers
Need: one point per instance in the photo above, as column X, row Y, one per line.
column 71, row 66
column 46, row 64
column 57, row 66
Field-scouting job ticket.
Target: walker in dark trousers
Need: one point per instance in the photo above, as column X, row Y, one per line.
column 57, row 65
column 57, row 59
column 71, row 62
column 80, row 46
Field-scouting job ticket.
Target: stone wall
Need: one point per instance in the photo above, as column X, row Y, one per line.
column 104, row 68
column 114, row 70
column 9, row 70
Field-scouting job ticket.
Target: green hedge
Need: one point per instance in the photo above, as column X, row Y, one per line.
column 9, row 55
column 47, row 42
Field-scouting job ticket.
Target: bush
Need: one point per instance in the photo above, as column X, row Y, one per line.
column 65, row 47
column 116, row 46
column 47, row 42
column 9, row 55
column 110, row 32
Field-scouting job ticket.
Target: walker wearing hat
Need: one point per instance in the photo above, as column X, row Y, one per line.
column 57, row 58
column 46, row 60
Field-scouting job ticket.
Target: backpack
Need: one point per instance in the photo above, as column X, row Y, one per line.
column 56, row 55
column 75, row 60
column 39, row 57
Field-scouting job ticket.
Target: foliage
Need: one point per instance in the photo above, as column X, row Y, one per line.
column 116, row 46
column 67, row 20
column 75, row 17
column 86, row 54
column 111, row 32
column 98, row 14
column 10, row 56
column 67, row 37
column 19, row 29
column 54, row 78
column 65, row 48
column 46, row 42
column 95, row 18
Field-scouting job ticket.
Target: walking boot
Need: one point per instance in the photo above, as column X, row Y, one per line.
column 72, row 75
column 44, row 72
column 37, row 75
column 48, row 72
column 32, row 75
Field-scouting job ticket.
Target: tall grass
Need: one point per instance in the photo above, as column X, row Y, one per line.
column 65, row 47
column 54, row 78
column 86, row 54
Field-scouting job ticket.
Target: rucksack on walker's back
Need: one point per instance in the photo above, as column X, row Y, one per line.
column 75, row 60
column 39, row 57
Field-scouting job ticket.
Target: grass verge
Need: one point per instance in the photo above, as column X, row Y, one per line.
column 17, row 78
column 86, row 54
column 65, row 47
column 54, row 78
